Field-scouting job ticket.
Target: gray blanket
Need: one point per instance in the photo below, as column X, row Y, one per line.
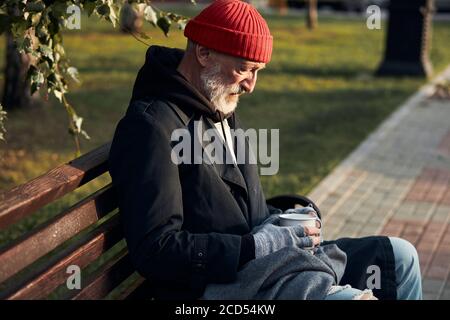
column 289, row 274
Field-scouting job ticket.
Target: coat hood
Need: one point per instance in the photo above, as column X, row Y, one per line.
column 159, row 78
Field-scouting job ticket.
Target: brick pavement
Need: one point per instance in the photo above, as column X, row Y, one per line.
column 397, row 183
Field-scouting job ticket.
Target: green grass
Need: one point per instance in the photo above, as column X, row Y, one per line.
column 318, row 90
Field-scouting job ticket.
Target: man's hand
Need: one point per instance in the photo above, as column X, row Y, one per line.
column 270, row 238
column 314, row 233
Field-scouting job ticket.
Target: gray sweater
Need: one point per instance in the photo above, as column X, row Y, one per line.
column 290, row 274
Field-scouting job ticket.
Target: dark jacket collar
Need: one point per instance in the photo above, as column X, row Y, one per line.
column 159, row 78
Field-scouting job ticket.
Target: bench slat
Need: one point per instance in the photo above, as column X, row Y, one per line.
column 143, row 291
column 42, row 280
column 131, row 289
column 25, row 199
column 108, row 277
column 39, row 242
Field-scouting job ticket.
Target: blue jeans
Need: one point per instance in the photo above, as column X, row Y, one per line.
column 407, row 270
column 407, row 274
column 345, row 293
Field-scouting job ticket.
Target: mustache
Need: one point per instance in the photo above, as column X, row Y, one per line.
column 239, row 90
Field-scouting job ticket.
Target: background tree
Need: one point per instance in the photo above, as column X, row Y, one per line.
column 36, row 29
column 16, row 90
column 280, row 5
column 131, row 19
column 311, row 14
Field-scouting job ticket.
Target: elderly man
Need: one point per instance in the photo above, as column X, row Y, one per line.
column 189, row 225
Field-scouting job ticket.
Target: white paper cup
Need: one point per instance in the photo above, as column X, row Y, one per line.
column 293, row 219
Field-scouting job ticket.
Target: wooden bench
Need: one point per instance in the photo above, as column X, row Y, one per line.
column 35, row 266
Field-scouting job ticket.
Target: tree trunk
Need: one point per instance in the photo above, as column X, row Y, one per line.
column 130, row 20
column 279, row 5
column 16, row 90
column 311, row 19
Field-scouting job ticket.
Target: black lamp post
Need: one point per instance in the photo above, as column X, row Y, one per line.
column 408, row 39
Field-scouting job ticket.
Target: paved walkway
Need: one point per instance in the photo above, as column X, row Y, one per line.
column 397, row 183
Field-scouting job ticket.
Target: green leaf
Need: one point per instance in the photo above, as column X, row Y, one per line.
column 24, row 45
column 58, row 94
column 37, row 55
column 164, row 24
column 77, row 121
column 58, row 51
column 114, row 16
column 35, row 18
column 46, row 52
column 51, row 81
column 36, row 78
column 36, row 6
column 18, row 28
column 182, row 24
column 41, row 32
column 85, row 135
column 150, row 15
column 76, row 129
column 73, row 73
column 103, row 10
column 173, row 16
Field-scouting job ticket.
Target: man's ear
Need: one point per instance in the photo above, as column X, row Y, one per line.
column 203, row 55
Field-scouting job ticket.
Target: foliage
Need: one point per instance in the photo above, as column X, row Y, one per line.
column 37, row 25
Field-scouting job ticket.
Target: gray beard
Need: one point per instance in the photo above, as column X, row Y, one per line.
column 218, row 92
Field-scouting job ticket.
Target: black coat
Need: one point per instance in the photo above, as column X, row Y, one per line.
column 184, row 224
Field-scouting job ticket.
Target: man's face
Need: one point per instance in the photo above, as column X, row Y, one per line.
column 226, row 78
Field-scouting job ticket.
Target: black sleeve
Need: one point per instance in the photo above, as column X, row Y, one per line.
column 150, row 202
column 247, row 249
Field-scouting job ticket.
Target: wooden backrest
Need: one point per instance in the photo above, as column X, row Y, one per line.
column 35, row 264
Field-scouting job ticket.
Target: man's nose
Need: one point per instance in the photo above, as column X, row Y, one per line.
column 249, row 83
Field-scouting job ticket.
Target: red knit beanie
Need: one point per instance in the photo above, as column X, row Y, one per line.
column 233, row 27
